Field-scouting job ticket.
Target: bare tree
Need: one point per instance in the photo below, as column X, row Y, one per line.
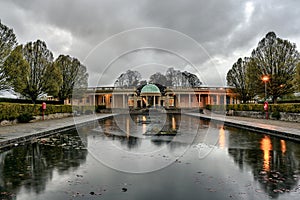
column 177, row 78
column 128, row 79
column 158, row 78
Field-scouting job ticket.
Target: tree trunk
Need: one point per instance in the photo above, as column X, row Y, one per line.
column 274, row 100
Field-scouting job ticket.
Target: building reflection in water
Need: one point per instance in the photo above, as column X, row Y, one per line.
column 173, row 123
column 144, row 128
column 276, row 172
column 222, row 138
column 283, row 146
column 266, row 147
column 144, row 118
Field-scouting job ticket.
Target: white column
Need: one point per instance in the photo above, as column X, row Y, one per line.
column 93, row 101
column 189, row 100
column 123, row 99
column 199, row 102
column 134, row 101
column 179, row 100
column 154, row 101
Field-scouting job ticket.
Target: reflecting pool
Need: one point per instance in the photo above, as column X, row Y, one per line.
column 139, row 157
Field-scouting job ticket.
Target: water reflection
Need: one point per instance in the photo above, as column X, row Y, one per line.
column 222, row 138
column 273, row 161
column 119, row 143
column 31, row 166
column 135, row 127
column 266, row 147
column 283, row 146
column 173, row 123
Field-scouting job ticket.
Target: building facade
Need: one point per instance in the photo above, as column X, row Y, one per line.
column 151, row 95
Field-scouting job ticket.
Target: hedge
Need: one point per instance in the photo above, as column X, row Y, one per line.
column 290, row 108
column 27, row 101
column 10, row 111
column 84, row 109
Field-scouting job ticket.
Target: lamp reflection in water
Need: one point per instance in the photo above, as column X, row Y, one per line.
column 144, row 118
column 222, row 138
column 144, row 128
column 283, row 146
column 173, row 123
column 266, row 146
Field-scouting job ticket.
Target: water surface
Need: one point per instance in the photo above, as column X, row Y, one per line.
column 125, row 160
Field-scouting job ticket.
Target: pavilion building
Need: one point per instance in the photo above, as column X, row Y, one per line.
column 151, row 95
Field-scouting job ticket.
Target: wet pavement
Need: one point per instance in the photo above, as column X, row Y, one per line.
column 27, row 131
column 290, row 130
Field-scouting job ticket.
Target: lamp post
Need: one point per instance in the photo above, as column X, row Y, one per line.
column 265, row 79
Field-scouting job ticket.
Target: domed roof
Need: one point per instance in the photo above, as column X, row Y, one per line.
column 150, row 88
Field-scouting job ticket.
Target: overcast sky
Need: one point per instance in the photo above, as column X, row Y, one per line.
column 109, row 36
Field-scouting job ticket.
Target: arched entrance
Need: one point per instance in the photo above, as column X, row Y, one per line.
column 151, row 96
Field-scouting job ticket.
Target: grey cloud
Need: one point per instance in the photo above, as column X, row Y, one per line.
column 75, row 27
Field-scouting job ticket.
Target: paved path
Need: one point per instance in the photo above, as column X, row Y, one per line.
column 23, row 132
column 290, row 130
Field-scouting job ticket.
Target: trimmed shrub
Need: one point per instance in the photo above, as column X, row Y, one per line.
column 11, row 111
column 27, row 101
column 276, row 115
column 88, row 112
column 84, row 109
column 100, row 107
column 289, row 108
column 25, row 117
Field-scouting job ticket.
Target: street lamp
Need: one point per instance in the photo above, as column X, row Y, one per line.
column 265, row 79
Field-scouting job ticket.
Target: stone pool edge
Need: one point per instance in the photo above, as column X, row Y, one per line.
column 281, row 132
column 6, row 144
